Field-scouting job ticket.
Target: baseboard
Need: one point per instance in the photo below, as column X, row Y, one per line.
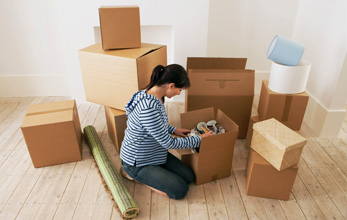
column 34, row 85
column 322, row 121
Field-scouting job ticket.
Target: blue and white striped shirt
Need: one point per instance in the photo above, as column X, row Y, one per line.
column 147, row 137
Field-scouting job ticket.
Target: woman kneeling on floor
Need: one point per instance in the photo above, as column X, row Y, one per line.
column 144, row 152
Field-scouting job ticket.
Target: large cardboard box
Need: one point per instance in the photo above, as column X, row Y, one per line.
column 52, row 132
column 216, row 152
column 116, row 124
column 222, row 83
column 252, row 120
column 278, row 144
column 286, row 108
column 111, row 77
column 263, row 180
column 120, row 27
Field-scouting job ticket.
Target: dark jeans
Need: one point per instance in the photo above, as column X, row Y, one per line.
column 171, row 178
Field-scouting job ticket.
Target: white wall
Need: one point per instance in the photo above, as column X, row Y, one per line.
column 322, row 27
column 245, row 28
column 41, row 38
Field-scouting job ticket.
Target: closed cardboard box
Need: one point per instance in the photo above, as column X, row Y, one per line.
column 116, row 124
column 222, row 83
column 286, row 108
column 263, row 180
column 278, row 144
column 120, row 27
column 216, row 152
column 52, row 132
column 252, row 120
column 111, row 77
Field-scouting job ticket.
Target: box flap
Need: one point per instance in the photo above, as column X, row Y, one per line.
column 215, row 63
column 133, row 53
column 50, row 107
column 47, row 118
column 215, row 82
column 279, row 134
column 217, row 142
column 189, row 120
column 226, row 122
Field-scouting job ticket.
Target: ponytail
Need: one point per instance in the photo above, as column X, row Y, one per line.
column 173, row 73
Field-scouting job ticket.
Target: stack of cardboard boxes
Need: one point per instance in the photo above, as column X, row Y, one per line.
column 115, row 69
column 112, row 72
column 286, row 108
column 273, row 158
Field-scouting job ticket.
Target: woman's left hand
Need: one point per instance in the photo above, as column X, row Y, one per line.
column 181, row 132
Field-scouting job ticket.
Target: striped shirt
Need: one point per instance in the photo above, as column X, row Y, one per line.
column 148, row 134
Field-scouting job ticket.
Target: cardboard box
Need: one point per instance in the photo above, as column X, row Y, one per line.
column 222, row 83
column 120, row 27
column 216, row 152
column 263, row 180
column 116, row 124
column 252, row 120
column 111, row 77
column 52, row 132
column 277, row 143
column 286, row 108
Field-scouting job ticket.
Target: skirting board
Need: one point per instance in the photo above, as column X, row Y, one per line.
column 34, row 85
column 322, row 121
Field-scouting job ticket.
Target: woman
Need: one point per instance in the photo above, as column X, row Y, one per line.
column 144, row 151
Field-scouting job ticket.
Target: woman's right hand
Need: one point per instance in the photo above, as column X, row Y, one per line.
column 209, row 133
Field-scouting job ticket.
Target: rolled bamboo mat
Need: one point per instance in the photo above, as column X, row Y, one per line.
column 126, row 204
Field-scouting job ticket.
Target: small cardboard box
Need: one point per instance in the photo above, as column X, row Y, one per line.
column 116, row 124
column 277, row 143
column 120, row 27
column 222, row 83
column 111, row 77
column 263, row 180
column 52, row 132
column 286, row 108
column 216, row 152
column 252, row 120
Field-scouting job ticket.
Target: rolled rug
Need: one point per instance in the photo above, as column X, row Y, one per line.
column 121, row 196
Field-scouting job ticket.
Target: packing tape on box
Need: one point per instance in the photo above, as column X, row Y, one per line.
column 286, row 109
column 289, row 79
column 121, row 196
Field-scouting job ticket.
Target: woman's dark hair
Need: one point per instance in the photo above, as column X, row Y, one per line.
column 173, row 73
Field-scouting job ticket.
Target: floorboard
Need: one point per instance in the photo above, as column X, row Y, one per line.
column 76, row 191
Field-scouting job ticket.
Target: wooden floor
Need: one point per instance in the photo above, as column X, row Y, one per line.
column 75, row 190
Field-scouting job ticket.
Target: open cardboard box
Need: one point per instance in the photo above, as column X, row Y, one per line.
column 111, row 77
column 222, row 83
column 216, row 152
